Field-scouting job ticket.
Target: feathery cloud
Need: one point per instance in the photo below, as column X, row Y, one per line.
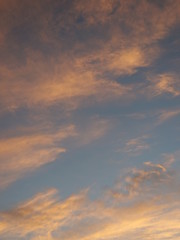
column 23, row 154
column 165, row 83
column 77, row 217
column 136, row 146
column 165, row 115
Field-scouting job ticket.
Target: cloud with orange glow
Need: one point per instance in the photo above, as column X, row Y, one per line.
column 144, row 215
column 96, row 84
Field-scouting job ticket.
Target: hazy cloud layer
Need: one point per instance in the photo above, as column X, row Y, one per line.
column 67, row 75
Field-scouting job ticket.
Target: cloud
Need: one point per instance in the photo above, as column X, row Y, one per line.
column 67, row 55
column 166, row 83
column 134, row 16
column 131, row 32
column 94, row 129
column 65, row 85
column 142, row 182
column 165, row 115
column 95, row 12
column 23, row 154
column 73, row 69
column 136, row 146
column 138, row 216
column 25, row 149
column 120, row 61
column 41, row 214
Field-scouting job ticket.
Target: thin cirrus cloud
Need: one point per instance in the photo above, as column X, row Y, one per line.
column 165, row 115
column 41, row 211
column 166, row 83
column 46, row 216
column 23, row 154
column 136, row 146
column 37, row 146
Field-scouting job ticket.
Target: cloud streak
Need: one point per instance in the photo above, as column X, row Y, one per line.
column 23, row 154
column 136, row 146
column 46, row 216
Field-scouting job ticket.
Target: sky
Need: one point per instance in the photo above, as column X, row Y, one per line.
column 89, row 119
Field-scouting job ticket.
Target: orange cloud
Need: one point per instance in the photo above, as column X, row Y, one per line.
column 165, row 83
column 43, row 213
column 137, row 180
column 34, row 147
column 147, row 214
column 134, row 15
column 77, row 74
column 22, row 154
column 165, row 115
column 64, row 86
column 119, row 61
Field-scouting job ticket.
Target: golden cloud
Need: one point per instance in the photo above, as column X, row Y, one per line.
column 166, row 83
column 34, row 147
column 22, row 154
column 68, row 85
column 46, row 216
column 45, row 209
column 77, row 73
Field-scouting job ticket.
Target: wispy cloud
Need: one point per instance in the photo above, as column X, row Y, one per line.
column 34, row 147
column 42, row 214
column 165, row 83
column 165, row 115
column 136, row 145
column 57, row 58
column 94, row 129
column 22, row 154
column 65, row 86
column 143, row 182
column 145, row 214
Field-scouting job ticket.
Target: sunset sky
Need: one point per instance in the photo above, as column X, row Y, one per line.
column 89, row 119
